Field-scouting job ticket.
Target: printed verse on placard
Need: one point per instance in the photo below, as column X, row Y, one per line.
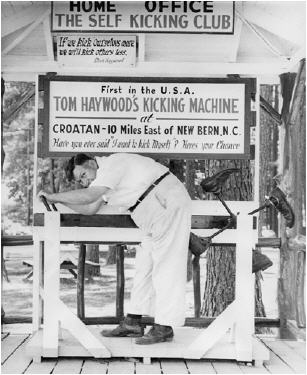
column 96, row 49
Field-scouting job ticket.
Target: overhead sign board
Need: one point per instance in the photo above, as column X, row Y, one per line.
column 97, row 49
column 171, row 117
column 214, row 17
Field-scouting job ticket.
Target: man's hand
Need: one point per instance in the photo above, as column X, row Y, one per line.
column 49, row 197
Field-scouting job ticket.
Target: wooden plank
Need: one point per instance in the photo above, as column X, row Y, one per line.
column 18, row 329
column 153, row 368
column 210, row 221
column 200, row 366
column 37, row 276
column 89, row 340
column 191, row 322
column 244, row 286
column 124, row 347
column 45, row 367
column 209, row 337
column 12, row 65
column 51, row 284
column 247, row 369
column 277, row 366
column 77, row 220
column 25, row 32
column 226, row 367
column 94, row 366
column 21, row 19
column 4, row 335
column 292, row 359
column 125, row 221
column 298, row 346
column 18, row 361
column 196, row 286
column 120, row 280
column 11, row 343
column 48, row 38
column 300, row 289
column 68, row 366
column 80, row 281
column 120, row 367
column 174, row 366
column 236, row 38
column 16, row 240
column 269, row 242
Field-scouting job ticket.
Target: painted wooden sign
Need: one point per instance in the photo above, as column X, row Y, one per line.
column 188, row 118
column 89, row 49
column 214, row 17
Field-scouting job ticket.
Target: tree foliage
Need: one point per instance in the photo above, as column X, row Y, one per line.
column 18, row 136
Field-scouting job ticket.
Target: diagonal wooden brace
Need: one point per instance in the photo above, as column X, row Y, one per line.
column 55, row 310
column 211, row 335
column 79, row 330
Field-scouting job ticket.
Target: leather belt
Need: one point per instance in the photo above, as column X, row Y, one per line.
column 144, row 195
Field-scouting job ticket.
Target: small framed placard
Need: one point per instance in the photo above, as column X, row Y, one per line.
column 96, row 49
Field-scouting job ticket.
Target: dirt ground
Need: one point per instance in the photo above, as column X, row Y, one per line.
column 100, row 292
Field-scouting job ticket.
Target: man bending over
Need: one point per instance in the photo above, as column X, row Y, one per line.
column 161, row 207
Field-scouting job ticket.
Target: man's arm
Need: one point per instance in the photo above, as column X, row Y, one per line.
column 87, row 209
column 77, row 197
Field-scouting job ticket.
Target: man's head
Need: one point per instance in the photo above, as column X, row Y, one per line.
column 81, row 168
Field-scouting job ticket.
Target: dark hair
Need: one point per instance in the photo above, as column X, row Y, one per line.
column 79, row 159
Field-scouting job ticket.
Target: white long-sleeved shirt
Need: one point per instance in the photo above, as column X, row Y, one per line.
column 127, row 176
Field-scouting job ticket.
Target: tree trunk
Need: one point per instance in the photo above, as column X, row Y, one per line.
column 220, row 282
column 28, row 187
column 92, row 256
column 268, row 157
column 52, row 180
column 2, row 149
column 111, row 257
column 2, row 161
column 293, row 183
column 190, row 186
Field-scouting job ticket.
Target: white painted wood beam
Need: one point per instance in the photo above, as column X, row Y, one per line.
column 260, row 36
column 40, row 65
column 208, row 337
column 283, row 18
column 245, row 239
column 237, row 36
column 26, row 32
column 141, row 57
column 48, row 38
column 81, row 332
column 21, row 19
column 296, row 58
column 51, row 284
column 37, row 261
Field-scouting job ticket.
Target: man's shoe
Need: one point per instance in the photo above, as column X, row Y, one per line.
column 279, row 201
column 260, row 261
column 214, row 184
column 198, row 245
column 129, row 327
column 156, row 334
